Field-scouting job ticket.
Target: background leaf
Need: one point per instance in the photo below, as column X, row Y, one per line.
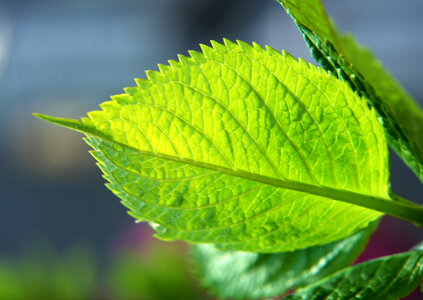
column 47, row 275
column 241, row 275
column 343, row 56
column 245, row 148
column 160, row 274
column 390, row 277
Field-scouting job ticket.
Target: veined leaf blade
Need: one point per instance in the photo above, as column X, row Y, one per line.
column 344, row 57
column 245, row 275
column 243, row 147
column 390, row 277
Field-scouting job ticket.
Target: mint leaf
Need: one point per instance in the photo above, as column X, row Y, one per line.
column 241, row 275
column 340, row 54
column 390, row 277
column 246, row 148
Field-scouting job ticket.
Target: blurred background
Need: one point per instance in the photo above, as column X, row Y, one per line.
column 64, row 58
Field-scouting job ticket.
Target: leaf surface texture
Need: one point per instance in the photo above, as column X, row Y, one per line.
column 245, row 275
column 390, row 277
column 344, row 57
column 243, row 147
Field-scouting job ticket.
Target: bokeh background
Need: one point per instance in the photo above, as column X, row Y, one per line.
column 65, row 57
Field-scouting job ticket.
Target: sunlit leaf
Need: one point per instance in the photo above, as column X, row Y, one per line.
column 246, row 148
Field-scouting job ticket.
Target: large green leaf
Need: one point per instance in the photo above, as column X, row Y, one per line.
column 390, row 277
column 241, row 275
column 246, row 148
column 341, row 54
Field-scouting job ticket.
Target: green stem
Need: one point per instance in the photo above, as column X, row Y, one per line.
column 400, row 209
column 398, row 198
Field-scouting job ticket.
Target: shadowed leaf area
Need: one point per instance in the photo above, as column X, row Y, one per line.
column 390, row 277
column 244, row 275
column 345, row 58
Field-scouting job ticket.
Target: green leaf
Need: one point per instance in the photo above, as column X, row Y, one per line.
column 390, row 277
column 159, row 273
column 241, row 275
column 42, row 274
column 246, row 148
column 343, row 56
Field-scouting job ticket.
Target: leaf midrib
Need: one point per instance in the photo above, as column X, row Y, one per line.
column 411, row 213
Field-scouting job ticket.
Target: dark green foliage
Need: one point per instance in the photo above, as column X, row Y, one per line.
column 391, row 277
column 240, row 275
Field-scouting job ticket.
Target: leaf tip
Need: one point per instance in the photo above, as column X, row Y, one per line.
column 206, row 49
column 153, row 76
column 185, row 60
column 50, row 119
column 41, row 116
column 272, row 51
column 288, row 56
column 164, row 68
column 173, row 63
column 244, row 46
column 73, row 124
column 197, row 56
column 228, row 43
column 258, row 47
column 142, row 82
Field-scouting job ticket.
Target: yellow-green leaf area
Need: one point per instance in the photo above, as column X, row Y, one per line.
column 243, row 147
